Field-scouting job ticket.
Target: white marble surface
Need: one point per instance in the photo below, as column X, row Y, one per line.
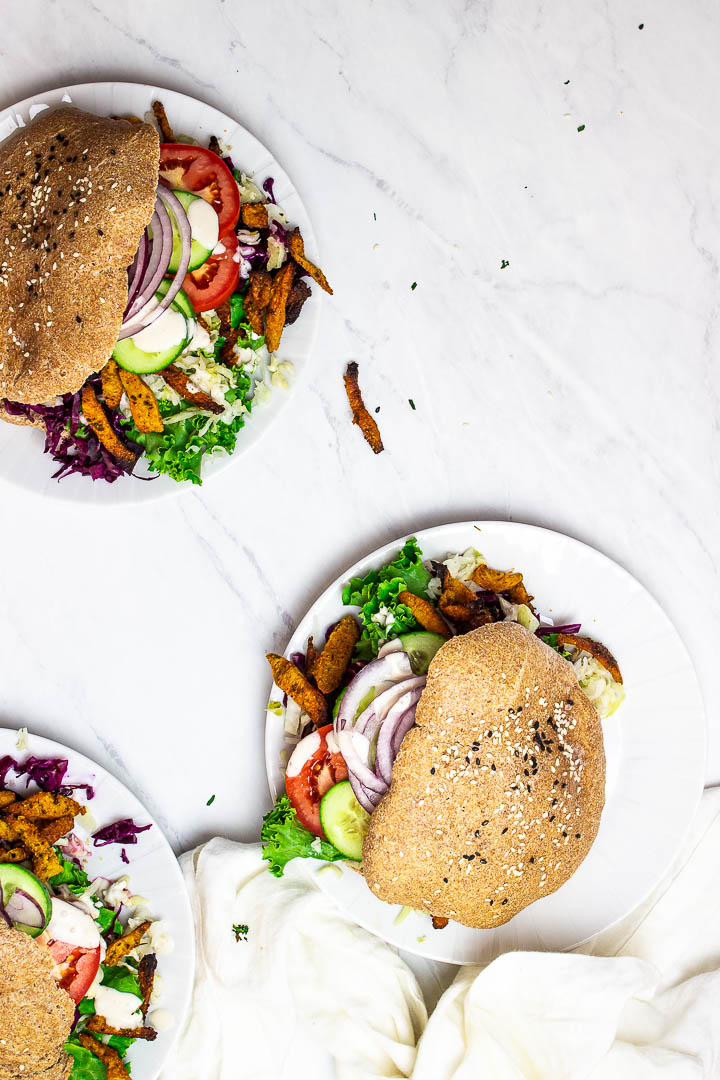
column 575, row 389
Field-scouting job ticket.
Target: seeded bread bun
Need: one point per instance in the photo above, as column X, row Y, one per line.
column 76, row 193
column 497, row 793
column 36, row 1015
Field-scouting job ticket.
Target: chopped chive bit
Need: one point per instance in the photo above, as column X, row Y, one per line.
column 374, row 216
column 412, row 403
column 566, row 83
column 240, row 930
column 504, row 264
column 413, row 286
column 581, row 127
column 210, row 801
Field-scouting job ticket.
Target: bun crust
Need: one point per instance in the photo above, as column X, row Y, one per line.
column 76, row 192
column 497, row 793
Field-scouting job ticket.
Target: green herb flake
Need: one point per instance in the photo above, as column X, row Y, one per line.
column 581, row 127
column 504, row 264
column 412, row 404
column 566, row 83
column 240, row 930
column 374, row 216
column 210, row 801
column 413, row 286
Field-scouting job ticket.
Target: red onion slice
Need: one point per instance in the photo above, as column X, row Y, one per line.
column 21, row 908
column 137, row 270
column 393, row 645
column 145, row 310
column 161, row 250
column 379, row 675
column 352, row 746
column 402, row 714
column 361, row 793
column 369, row 720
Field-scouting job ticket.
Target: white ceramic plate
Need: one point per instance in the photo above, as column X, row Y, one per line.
column 655, row 744
column 22, row 461
column 154, row 874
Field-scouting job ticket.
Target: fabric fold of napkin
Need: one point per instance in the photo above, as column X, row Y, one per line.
column 308, row 994
column 311, row 995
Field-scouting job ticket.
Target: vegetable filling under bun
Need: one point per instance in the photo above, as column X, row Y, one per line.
column 497, row 793
column 76, row 192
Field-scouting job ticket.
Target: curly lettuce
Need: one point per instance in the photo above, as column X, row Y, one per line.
column 179, row 449
column 284, row 838
column 376, row 594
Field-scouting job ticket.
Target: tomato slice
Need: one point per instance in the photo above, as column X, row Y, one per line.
column 76, row 967
column 193, row 168
column 217, row 278
column 322, row 769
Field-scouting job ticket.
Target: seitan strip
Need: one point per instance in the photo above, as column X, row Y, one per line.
column 142, row 401
column 167, row 133
column 296, row 247
column 96, row 419
column 361, row 416
column 180, row 383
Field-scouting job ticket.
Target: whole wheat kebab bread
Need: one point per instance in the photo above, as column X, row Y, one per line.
column 76, row 193
column 497, row 793
column 36, row 1014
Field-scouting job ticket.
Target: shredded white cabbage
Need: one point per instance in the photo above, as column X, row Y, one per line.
column 276, row 253
column 249, row 191
column 599, row 685
column 519, row 613
column 462, row 566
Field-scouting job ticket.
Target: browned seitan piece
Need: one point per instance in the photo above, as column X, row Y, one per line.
column 497, row 794
column 76, row 192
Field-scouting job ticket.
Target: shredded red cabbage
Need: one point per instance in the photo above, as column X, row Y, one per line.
column 73, row 445
column 269, row 189
column 120, row 832
column 47, row 773
column 566, row 628
column 123, row 856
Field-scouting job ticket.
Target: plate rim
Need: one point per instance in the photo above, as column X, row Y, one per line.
column 371, row 559
column 76, row 494
column 52, row 748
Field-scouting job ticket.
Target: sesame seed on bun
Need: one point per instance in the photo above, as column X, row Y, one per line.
column 497, row 793
column 76, row 193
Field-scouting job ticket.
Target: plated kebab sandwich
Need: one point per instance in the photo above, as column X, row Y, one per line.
column 145, row 286
column 78, row 954
column 445, row 740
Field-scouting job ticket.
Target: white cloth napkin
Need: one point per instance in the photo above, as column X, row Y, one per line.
column 311, row 995
column 308, row 995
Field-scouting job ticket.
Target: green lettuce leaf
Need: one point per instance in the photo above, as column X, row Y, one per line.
column 71, row 875
column 380, row 589
column 284, row 838
column 85, row 1065
column 121, row 979
column 178, row 451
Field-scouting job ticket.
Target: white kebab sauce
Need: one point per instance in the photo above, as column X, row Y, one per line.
column 119, row 1009
column 204, row 223
column 170, row 329
column 302, row 753
column 73, row 925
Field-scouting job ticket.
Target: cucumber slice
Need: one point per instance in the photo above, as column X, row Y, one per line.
column 131, row 358
column 181, row 301
column 421, row 647
column 25, row 899
column 344, row 821
column 198, row 253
